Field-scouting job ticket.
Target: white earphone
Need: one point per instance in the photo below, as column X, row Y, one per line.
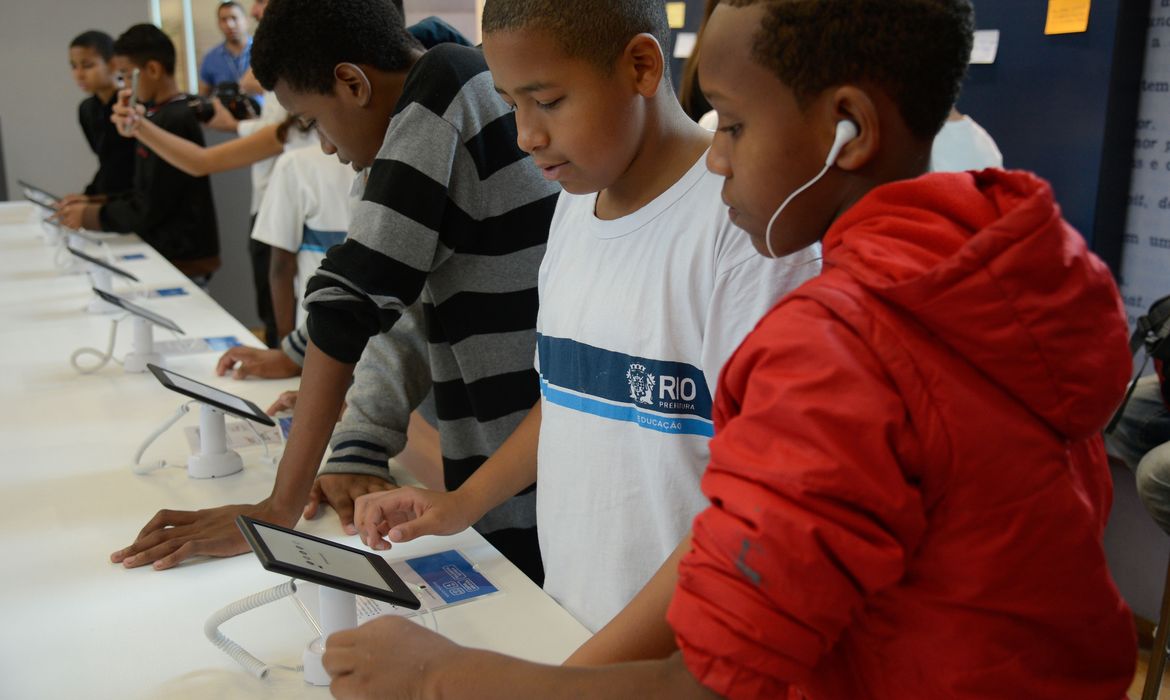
column 846, row 132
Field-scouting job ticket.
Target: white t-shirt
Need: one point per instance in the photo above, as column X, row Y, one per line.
column 964, row 145
column 306, row 210
column 637, row 316
column 271, row 112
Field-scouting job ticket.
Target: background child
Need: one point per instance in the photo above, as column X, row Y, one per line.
column 89, row 58
column 907, row 481
column 304, row 214
column 170, row 210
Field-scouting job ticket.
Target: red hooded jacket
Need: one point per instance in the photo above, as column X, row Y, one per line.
column 908, row 488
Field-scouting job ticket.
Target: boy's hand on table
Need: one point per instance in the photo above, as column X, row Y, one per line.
column 287, row 401
column 405, row 513
column 243, row 362
column 341, row 491
column 72, row 198
column 173, row 536
column 71, row 216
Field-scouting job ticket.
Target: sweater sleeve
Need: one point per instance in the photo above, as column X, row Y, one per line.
column 391, row 379
column 364, row 284
column 810, row 510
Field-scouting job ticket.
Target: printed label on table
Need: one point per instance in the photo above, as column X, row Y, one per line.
column 133, row 256
column 451, row 576
column 239, row 435
column 166, row 292
column 196, row 346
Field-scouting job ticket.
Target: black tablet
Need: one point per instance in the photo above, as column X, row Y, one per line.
column 139, row 311
column 101, row 263
column 229, row 403
column 38, row 196
column 326, row 563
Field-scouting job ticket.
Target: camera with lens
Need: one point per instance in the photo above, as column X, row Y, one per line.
column 240, row 105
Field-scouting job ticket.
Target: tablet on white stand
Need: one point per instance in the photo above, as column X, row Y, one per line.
column 102, row 281
column 101, row 277
column 142, row 353
column 214, row 459
column 340, row 571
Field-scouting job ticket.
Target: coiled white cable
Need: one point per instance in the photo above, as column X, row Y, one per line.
column 103, row 358
column 140, row 468
column 211, row 628
column 250, row 663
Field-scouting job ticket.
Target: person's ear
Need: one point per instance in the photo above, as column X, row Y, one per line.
column 646, row 63
column 851, row 103
column 153, row 70
column 352, row 82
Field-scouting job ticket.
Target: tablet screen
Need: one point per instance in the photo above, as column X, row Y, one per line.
column 101, row 263
column 191, row 387
column 137, row 310
column 210, row 395
column 314, row 556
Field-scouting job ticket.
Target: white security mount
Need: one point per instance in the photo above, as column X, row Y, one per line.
column 100, row 278
column 214, row 459
column 142, row 352
column 338, row 611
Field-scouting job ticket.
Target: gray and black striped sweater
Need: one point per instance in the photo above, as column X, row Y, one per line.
column 456, row 216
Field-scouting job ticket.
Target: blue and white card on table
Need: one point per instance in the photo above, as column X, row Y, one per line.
column 451, row 576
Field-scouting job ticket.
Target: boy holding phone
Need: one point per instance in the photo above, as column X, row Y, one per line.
column 170, row 210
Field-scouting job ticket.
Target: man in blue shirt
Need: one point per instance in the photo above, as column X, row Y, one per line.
column 228, row 62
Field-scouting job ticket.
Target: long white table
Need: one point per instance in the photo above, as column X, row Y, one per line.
column 74, row 625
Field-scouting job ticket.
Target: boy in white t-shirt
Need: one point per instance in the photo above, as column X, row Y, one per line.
column 645, row 290
column 305, row 213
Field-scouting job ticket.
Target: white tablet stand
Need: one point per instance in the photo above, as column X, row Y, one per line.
column 51, row 233
column 143, row 352
column 338, row 611
column 100, row 278
column 214, row 459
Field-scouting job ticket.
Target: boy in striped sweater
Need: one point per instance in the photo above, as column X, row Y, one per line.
column 451, row 214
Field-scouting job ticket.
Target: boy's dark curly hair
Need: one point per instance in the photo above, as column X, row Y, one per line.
column 100, row 42
column 916, row 50
column 594, row 30
column 146, row 42
column 300, row 41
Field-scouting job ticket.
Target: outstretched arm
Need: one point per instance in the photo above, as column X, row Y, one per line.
column 190, row 157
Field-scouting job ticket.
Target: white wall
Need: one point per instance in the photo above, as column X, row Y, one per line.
column 38, row 99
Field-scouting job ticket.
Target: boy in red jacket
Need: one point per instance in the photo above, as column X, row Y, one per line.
column 907, row 483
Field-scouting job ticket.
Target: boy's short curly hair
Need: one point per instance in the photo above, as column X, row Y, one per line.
column 916, row 50
column 146, row 42
column 98, row 41
column 300, row 41
column 594, row 30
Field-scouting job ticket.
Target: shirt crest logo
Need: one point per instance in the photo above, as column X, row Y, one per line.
column 641, row 384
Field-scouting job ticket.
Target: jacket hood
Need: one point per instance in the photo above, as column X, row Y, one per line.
column 985, row 262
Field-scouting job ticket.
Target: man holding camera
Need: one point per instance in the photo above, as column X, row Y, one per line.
column 231, row 121
column 229, row 61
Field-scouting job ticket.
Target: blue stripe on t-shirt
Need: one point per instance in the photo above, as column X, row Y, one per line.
column 629, row 414
column 654, row 394
column 320, row 241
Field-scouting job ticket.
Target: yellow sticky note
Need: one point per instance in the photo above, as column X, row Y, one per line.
column 1067, row 16
column 676, row 14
